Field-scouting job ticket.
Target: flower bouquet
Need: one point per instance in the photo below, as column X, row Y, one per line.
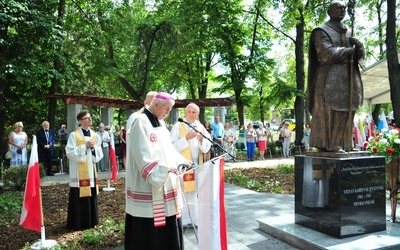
column 387, row 143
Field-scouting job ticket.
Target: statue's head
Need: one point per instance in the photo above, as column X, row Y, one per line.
column 337, row 10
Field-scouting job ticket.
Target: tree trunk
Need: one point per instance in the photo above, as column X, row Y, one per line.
column 3, row 146
column 55, row 81
column 299, row 102
column 376, row 112
column 393, row 60
column 393, row 176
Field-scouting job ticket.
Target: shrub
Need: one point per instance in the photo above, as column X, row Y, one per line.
column 285, row 169
column 16, row 176
column 92, row 236
column 10, row 206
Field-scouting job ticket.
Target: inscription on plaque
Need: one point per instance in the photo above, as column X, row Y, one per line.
column 335, row 195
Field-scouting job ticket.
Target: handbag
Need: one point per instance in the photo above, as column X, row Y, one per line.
column 8, row 155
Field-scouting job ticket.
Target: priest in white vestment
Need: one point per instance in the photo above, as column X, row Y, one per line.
column 153, row 193
column 83, row 150
column 191, row 145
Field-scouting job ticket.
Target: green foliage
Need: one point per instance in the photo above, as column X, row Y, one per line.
column 15, row 177
column 123, row 49
column 267, row 186
column 95, row 235
column 61, row 246
column 10, row 207
column 285, row 169
column 92, row 236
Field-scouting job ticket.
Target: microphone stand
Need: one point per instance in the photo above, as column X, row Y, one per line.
column 210, row 140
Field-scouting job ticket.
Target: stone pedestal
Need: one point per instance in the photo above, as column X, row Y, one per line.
column 341, row 197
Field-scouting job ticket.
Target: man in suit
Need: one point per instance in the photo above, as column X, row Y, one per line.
column 45, row 139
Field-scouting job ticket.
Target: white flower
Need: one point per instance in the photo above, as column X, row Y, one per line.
column 371, row 138
column 383, row 141
column 397, row 141
column 394, row 131
column 384, row 130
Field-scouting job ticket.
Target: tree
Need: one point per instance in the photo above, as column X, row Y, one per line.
column 27, row 36
column 392, row 58
column 298, row 15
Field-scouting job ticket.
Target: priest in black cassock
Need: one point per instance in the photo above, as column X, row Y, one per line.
column 83, row 150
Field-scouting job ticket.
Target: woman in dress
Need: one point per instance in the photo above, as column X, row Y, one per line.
column 103, row 164
column 207, row 126
column 261, row 140
column 286, row 133
column 228, row 141
column 18, row 141
column 250, row 142
column 306, row 138
column 123, row 145
column 242, row 135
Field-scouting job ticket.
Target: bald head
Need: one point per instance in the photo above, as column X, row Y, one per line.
column 149, row 98
column 192, row 112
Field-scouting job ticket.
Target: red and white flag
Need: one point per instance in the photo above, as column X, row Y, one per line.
column 370, row 127
column 31, row 215
column 113, row 159
column 212, row 218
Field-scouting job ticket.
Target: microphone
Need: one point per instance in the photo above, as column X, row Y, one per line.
column 181, row 120
column 193, row 126
column 212, row 142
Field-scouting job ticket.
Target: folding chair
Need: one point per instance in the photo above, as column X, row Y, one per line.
column 57, row 160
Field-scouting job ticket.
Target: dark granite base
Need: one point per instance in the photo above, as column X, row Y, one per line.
column 341, row 197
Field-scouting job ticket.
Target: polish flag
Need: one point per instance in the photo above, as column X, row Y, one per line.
column 370, row 127
column 113, row 158
column 357, row 136
column 32, row 215
column 212, row 218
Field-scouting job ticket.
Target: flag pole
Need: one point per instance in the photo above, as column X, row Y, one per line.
column 108, row 188
column 351, row 12
column 111, row 151
column 33, row 178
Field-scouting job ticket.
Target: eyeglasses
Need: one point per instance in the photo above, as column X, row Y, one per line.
column 87, row 118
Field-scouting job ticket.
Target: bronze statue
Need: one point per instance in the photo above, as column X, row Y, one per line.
column 330, row 100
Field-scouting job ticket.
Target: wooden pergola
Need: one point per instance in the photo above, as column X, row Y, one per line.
column 92, row 100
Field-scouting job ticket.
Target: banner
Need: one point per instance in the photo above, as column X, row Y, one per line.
column 113, row 158
column 382, row 123
column 31, row 215
column 212, row 218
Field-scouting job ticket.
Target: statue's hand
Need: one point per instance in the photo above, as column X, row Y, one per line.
column 354, row 41
column 350, row 51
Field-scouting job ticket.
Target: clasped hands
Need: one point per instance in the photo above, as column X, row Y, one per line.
column 90, row 144
column 192, row 134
